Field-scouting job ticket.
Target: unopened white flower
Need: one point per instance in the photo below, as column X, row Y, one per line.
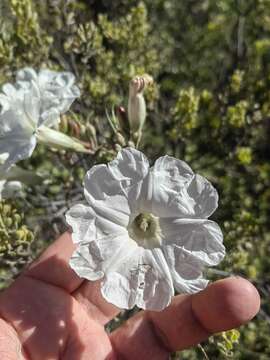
column 145, row 231
column 27, row 112
column 136, row 102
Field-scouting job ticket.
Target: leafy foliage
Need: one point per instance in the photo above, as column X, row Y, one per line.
column 15, row 241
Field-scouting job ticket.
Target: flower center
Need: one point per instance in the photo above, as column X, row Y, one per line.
column 146, row 231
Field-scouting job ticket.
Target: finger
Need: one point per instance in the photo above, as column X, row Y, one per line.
column 89, row 296
column 190, row 319
column 10, row 345
column 52, row 266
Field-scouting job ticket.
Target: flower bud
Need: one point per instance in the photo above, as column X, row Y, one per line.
column 122, row 117
column 136, row 102
column 91, row 131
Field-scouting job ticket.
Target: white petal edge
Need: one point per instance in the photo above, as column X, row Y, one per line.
column 88, row 226
column 176, row 168
column 18, row 147
column 129, row 164
column 203, row 239
column 142, row 279
column 185, row 270
column 130, row 168
column 91, row 259
column 105, row 194
column 163, row 190
column 204, row 195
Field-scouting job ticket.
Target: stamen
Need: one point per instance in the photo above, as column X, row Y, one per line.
column 145, row 230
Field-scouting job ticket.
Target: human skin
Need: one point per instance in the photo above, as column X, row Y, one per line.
column 50, row 313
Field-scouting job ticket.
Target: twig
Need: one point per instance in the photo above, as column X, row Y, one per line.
column 204, row 352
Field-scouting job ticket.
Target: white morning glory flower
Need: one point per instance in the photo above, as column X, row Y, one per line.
column 57, row 89
column 145, row 231
column 29, row 109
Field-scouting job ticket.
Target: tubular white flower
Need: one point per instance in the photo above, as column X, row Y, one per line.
column 145, row 231
column 30, row 108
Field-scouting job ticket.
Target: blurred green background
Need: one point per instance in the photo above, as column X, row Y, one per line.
column 210, row 106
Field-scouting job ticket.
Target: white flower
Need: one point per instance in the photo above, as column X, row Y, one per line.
column 30, row 108
column 145, row 230
column 57, row 89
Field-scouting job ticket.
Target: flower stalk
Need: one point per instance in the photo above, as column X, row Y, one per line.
column 60, row 140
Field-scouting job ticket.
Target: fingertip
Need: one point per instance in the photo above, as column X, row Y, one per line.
column 226, row 304
column 53, row 267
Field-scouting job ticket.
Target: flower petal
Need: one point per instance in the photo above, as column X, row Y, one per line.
column 91, row 259
column 175, row 169
column 164, row 189
column 201, row 238
column 142, row 279
column 82, row 220
column 4, row 104
column 49, row 79
column 9, row 90
column 130, row 168
column 184, row 286
column 204, row 195
column 106, row 195
column 19, row 110
column 18, row 145
column 172, row 189
column 18, row 124
column 25, row 76
column 49, row 118
column 87, row 226
column 57, row 92
column 185, row 269
column 129, row 164
column 58, row 89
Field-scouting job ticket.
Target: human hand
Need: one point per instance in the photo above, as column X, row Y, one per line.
column 49, row 313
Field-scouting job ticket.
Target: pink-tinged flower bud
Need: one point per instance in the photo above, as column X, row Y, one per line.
column 136, row 102
column 122, row 117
